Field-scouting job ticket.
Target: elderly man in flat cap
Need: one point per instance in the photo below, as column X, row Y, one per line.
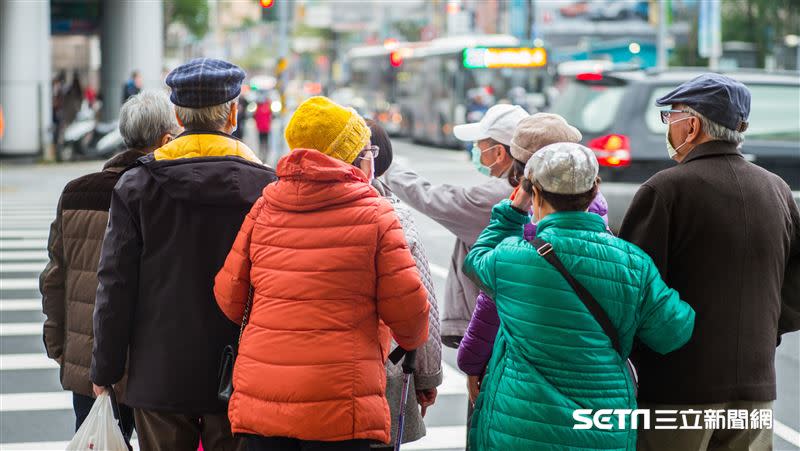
column 172, row 222
column 725, row 233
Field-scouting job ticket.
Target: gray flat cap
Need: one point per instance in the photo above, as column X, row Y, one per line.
column 563, row 168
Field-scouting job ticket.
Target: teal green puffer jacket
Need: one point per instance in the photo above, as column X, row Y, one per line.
column 551, row 356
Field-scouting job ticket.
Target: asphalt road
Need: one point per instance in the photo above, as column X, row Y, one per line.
column 36, row 414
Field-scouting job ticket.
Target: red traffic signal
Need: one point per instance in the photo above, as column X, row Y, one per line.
column 396, row 58
column 267, row 3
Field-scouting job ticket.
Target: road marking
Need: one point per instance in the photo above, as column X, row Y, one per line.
column 20, row 329
column 20, row 305
column 454, row 382
column 23, row 244
column 17, row 233
column 36, row 361
column 13, row 256
column 29, row 402
column 438, row 271
column 22, row 267
column 785, row 432
column 19, row 284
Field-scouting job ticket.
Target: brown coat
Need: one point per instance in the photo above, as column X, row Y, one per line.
column 69, row 281
column 725, row 234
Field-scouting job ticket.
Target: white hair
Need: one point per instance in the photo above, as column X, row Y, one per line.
column 210, row 118
column 145, row 118
column 718, row 131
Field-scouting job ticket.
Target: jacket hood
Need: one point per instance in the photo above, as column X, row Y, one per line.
column 222, row 181
column 310, row 180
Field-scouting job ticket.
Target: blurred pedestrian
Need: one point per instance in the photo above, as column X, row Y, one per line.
column 330, row 270
column 725, row 233
column 69, row 281
column 59, row 88
column 428, row 374
column 132, row 86
column 263, row 117
column 242, row 113
column 173, row 220
column 72, row 100
column 553, row 354
column 532, row 133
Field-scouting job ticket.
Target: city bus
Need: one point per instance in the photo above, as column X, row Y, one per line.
column 437, row 84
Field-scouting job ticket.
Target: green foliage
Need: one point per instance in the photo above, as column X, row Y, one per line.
column 191, row 13
column 762, row 22
column 409, row 30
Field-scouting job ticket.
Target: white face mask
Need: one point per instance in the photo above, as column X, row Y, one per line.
column 368, row 166
column 672, row 151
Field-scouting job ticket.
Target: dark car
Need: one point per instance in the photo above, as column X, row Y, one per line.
column 616, row 113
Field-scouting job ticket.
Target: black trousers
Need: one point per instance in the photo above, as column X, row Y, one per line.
column 83, row 404
column 258, row 443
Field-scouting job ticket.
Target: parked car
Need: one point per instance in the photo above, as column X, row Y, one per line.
column 576, row 9
column 618, row 10
column 616, row 113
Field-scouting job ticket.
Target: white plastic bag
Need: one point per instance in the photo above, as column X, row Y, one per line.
column 100, row 431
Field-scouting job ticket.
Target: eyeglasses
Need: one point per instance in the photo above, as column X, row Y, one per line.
column 370, row 150
column 666, row 113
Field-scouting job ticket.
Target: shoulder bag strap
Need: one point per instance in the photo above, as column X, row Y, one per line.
column 545, row 249
column 246, row 314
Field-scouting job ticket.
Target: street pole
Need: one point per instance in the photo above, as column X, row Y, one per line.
column 276, row 132
column 662, row 35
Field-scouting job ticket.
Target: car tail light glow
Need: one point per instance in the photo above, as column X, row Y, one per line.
column 589, row 76
column 612, row 150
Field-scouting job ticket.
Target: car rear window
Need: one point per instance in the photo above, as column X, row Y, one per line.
column 774, row 112
column 590, row 108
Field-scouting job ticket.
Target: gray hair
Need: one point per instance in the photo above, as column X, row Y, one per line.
column 145, row 118
column 718, row 131
column 211, row 118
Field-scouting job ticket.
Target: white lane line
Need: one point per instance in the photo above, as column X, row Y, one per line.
column 441, row 437
column 454, row 382
column 785, row 432
column 438, row 271
column 20, row 305
column 22, row 244
column 36, row 361
column 19, row 284
column 16, row 233
column 22, row 267
column 12, row 256
column 20, row 329
column 29, row 402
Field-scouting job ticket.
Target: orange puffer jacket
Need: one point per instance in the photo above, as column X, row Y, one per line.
column 331, row 270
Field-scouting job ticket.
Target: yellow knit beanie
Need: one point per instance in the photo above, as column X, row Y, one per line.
column 320, row 124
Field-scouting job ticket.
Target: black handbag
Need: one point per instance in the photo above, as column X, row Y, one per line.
column 228, row 359
column 545, row 249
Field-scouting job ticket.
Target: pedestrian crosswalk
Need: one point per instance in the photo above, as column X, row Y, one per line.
column 35, row 414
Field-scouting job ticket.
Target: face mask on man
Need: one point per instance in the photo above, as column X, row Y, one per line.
column 672, row 151
column 476, row 161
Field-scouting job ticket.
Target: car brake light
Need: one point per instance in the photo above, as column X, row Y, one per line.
column 612, row 150
column 589, row 76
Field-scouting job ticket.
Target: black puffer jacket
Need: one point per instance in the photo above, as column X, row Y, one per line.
column 173, row 220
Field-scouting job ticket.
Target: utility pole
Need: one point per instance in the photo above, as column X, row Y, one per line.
column 661, row 43
column 276, row 131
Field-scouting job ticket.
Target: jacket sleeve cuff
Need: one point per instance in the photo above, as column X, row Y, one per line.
column 428, row 381
column 508, row 214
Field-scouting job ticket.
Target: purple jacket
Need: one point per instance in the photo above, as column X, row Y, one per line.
column 475, row 349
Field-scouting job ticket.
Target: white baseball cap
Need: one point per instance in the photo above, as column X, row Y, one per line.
column 498, row 123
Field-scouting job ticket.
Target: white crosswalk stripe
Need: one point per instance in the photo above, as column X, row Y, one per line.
column 24, row 230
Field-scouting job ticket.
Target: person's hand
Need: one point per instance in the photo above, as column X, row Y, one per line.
column 474, row 387
column 522, row 200
column 98, row 390
column 426, row 398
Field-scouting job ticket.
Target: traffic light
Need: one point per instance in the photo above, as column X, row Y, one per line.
column 268, row 12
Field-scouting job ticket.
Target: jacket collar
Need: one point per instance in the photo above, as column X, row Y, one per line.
column 712, row 148
column 124, row 160
column 577, row 220
column 197, row 144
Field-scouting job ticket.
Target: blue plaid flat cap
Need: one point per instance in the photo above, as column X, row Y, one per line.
column 204, row 82
column 717, row 97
